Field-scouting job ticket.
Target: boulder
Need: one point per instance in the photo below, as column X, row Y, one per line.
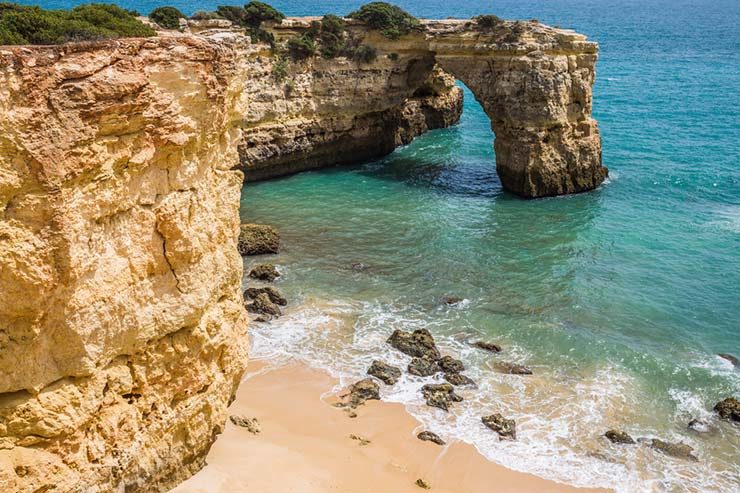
column 728, row 409
column 384, row 372
column 677, row 450
column 699, row 426
column 506, row 428
column 487, row 346
column 272, row 293
column 251, row 424
column 418, row 343
column 440, row 395
column 422, row 484
column 512, row 368
column 619, row 436
column 458, row 379
column 451, row 300
column 263, row 305
column 362, row 391
column 428, row 436
column 732, row 359
column 264, row 272
column 451, row 365
column 423, row 367
column 359, row 266
column 258, row 239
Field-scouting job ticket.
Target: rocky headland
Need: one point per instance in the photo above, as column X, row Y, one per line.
column 122, row 325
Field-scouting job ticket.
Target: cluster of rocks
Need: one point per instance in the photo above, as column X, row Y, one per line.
column 428, row 361
column 728, row 409
column 260, row 239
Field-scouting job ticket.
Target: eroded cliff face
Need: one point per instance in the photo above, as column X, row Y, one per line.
column 122, row 330
column 339, row 111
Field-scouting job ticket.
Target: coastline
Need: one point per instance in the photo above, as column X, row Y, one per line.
column 305, row 445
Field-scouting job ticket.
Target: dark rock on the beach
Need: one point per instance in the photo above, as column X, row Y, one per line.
column 677, row 450
column 699, row 425
column 264, row 272
column 263, row 318
column 451, row 365
column 732, row 359
column 359, row 266
column 258, row 239
column 360, row 439
column 386, row 373
column 506, row 428
column 728, row 409
column 251, row 424
column 272, row 293
column 364, row 390
column 440, row 395
column 428, row 436
column 263, row 305
column 451, row 300
column 418, row 343
column 422, row 484
column 512, row 368
column 458, row 379
column 619, row 436
column 487, row 346
column 423, row 367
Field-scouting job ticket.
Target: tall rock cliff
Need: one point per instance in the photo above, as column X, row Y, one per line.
column 122, row 330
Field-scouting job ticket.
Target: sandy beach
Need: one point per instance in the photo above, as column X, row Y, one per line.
column 305, row 446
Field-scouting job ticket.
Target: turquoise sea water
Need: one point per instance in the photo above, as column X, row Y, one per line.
column 619, row 299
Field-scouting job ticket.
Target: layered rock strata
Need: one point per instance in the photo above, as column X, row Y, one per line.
column 122, row 329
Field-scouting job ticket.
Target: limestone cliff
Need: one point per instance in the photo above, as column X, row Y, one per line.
column 122, row 331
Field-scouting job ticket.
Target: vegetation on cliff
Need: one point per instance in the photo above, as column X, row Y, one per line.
column 487, row 21
column 251, row 17
column 392, row 21
column 166, row 17
column 20, row 24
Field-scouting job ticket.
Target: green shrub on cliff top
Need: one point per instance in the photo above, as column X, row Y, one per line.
column 33, row 25
column 251, row 17
column 331, row 35
column 166, row 17
column 257, row 12
column 392, row 21
column 487, row 21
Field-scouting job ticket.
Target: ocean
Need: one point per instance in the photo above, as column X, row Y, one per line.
column 618, row 299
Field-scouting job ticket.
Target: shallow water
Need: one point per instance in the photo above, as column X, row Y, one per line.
column 618, row 299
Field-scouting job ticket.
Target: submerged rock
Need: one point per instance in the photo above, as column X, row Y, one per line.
column 272, row 293
column 732, row 359
column 251, row 424
column 258, row 239
column 428, row 436
column 423, row 367
column 728, row 409
column 362, row 391
column 487, row 346
column 619, row 436
column 677, row 450
column 263, row 305
column 440, row 395
column 512, row 368
column 418, row 343
column 451, row 365
column 386, row 373
column 699, row 425
column 359, row 266
column 451, row 300
column 458, row 379
column 506, row 428
column 264, row 272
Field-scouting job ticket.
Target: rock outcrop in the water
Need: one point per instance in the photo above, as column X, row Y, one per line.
column 258, row 239
column 122, row 329
column 728, row 409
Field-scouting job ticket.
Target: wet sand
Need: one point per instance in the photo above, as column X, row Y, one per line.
column 305, row 447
